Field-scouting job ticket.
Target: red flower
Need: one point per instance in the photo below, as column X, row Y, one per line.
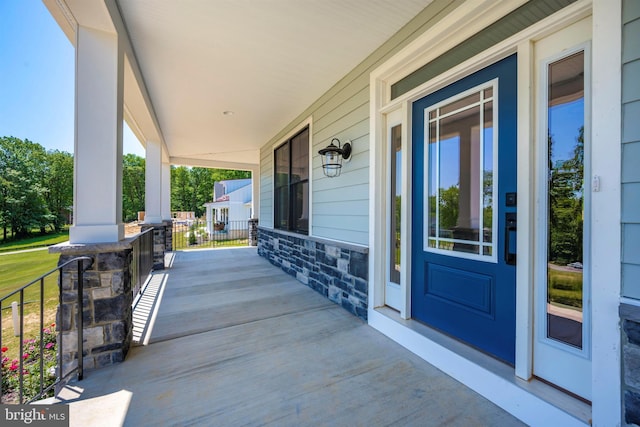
column 4, row 349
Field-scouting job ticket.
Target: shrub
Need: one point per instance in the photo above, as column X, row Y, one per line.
column 30, row 368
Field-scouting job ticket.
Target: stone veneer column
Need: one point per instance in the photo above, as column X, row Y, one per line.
column 168, row 235
column 107, row 300
column 160, row 232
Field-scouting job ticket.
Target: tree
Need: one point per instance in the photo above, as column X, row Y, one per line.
column 181, row 189
column 566, row 199
column 22, row 192
column 59, row 184
column 202, row 183
column 133, row 186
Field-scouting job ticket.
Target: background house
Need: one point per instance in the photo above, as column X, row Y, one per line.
column 231, row 205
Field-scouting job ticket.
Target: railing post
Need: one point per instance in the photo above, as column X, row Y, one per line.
column 80, row 318
column 253, row 231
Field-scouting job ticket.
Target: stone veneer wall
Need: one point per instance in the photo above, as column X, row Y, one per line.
column 107, row 300
column 162, row 239
column 630, row 326
column 168, row 235
column 338, row 271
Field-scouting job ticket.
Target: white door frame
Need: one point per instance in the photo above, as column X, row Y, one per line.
column 606, row 81
column 393, row 293
column 551, row 359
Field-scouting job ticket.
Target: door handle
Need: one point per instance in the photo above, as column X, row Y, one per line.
column 510, row 227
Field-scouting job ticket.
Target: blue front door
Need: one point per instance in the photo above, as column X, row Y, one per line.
column 464, row 209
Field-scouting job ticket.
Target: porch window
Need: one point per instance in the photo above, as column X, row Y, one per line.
column 291, row 184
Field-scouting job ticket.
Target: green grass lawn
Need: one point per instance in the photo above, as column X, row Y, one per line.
column 181, row 241
column 37, row 241
column 565, row 287
column 16, row 270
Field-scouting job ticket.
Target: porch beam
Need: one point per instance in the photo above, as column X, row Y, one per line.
column 98, row 138
column 216, row 164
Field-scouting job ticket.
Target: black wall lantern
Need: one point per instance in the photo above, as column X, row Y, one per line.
column 332, row 157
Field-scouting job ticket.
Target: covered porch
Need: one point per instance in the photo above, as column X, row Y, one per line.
column 233, row 340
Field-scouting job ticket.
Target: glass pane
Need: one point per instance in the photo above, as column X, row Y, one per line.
column 565, row 115
column 300, row 157
column 461, row 103
column 300, row 206
column 488, row 93
column 395, row 194
column 470, row 248
column 448, row 246
column 460, row 187
column 433, row 183
column 460, row 177
column 487, row 174
column 282, row 165
column 281, row 210
column 433, row 114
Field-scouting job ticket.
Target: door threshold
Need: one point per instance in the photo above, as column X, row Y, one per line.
column 533, row 401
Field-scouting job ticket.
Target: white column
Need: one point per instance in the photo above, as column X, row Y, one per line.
column 255, row 192
column 165, row 198
column 153, row 183
column 97, row 198
column 605, row 220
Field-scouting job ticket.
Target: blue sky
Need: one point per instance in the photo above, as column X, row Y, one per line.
column 37, row 78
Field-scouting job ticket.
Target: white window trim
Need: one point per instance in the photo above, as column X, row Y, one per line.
column 392, row 119
column 460, row 24
column 493, row 84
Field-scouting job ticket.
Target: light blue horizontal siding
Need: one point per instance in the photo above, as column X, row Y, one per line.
column 266, row 188
column 631, row 79
column 631, row 162
column 631, row 202
column 631, row 244
column 336, row 233
column 630, row 119
column 631, row 41
column 631, row 148
column 630, row 10
column 350, row 208
column 630, row 275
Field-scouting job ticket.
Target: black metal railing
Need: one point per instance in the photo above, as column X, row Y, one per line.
column 25, row 378
column 192, row 234
column 142, row 262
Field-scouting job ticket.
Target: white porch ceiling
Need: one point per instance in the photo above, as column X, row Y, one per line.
column 264, row 60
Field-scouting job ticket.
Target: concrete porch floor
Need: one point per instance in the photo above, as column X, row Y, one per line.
column 238, row 342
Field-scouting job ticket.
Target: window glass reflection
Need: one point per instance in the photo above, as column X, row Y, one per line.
column 565, row 200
